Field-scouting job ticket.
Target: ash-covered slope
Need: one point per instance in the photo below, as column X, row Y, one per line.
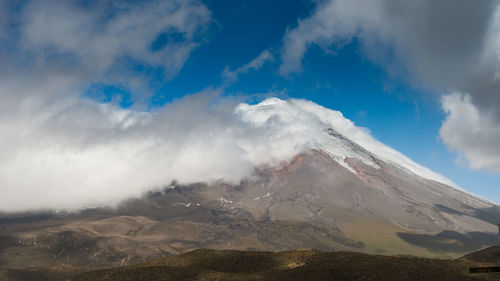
column 334, row 195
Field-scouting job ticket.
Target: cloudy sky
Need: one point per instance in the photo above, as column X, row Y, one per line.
column 102, row 100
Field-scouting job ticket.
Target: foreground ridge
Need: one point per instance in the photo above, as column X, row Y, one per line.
column 291, row 265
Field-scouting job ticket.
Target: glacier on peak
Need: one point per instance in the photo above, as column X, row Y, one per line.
column 315, row 127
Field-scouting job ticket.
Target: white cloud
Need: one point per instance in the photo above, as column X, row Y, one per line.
column 77, row 152
column 255, row 64
column 429, row 39
column 98, row 41
column 96, row 37
column 473, row 133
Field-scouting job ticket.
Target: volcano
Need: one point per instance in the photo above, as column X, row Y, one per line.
column 339, row 193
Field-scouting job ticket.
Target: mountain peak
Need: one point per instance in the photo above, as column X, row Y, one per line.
column 306, row 123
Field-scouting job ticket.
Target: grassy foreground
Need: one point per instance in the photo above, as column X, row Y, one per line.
column 292, row 265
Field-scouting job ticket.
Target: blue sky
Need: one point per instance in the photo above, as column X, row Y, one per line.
column 423, row 76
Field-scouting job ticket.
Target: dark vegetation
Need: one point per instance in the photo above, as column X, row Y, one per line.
column 34, row 274
column 446, row 241
column 486, row 257
column 292, row 265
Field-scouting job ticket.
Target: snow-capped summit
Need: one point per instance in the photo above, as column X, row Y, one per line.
column 313, row 126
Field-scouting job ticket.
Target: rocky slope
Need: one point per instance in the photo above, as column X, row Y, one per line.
column 332, row 198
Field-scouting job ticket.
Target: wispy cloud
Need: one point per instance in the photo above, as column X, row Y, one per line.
column 71, row 44
column 231, row 76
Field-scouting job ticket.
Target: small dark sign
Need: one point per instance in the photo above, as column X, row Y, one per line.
column 484, row 269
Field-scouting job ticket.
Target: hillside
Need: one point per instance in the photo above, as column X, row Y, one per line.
column 310, row 202
column 292, row 265
column 488, row 257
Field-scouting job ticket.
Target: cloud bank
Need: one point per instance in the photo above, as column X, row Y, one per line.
column 446, row 46
column 81, row 153
column 56, row 145
column 472, row 132
column 54, row 48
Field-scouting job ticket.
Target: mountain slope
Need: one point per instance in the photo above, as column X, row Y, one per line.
column 312, row 202
column 336, row 196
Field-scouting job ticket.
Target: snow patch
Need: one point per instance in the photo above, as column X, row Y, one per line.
column 187, row 205
column 262, row 197
column 223, row 200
